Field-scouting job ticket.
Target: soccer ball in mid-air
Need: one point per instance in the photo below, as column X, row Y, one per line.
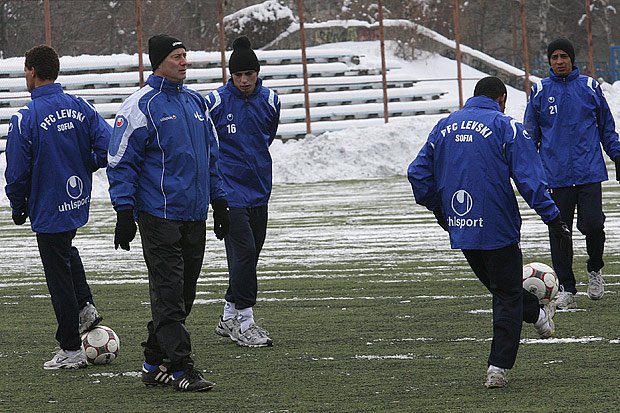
column 540, row 280
column 101, row 345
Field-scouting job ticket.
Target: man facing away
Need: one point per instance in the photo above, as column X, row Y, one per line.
column 246, row 115
column 54, row 145
column 568, row 118
column 163, row 169
column 463, row 175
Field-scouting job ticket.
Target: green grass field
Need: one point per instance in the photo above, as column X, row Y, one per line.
column 369, row 309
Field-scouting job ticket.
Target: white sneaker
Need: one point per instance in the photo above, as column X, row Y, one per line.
column 596, row 285
column 254, row 336
column 226, row 328
column 496, row 378
column 89, row 318
column 546, row 327
column 565, row 300
column 64, row 360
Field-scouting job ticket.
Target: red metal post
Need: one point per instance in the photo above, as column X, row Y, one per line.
column 220, row 17
column 386, row 114
column 590, row 67
column 526, row 51
column 304, row 63
column 457, row 39
column 138, row 5
column 47, row 15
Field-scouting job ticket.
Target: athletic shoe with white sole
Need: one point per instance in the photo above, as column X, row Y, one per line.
column 226, row 328
column 159, row 377
column 565, row 300
column 496, row 378
column 67, row 360
column 596, row 285
column 89, row 318
column 254, row 336
column 546, row 327
column 192, row 380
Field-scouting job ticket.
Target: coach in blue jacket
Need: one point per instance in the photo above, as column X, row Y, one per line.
column 463, row 175
column 568, row 118
column 163, row 168
column 54, row 145
column 246, row 115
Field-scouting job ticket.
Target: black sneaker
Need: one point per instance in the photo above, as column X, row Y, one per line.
column 192, row 380
column 159, row 377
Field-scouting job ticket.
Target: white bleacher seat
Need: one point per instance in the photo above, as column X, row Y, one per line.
column 86, row 64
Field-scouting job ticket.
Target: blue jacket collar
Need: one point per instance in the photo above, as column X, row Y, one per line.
column 235, row 91
column 483, row 102
column 163, row 84
column 574, row 74
column 48, row 89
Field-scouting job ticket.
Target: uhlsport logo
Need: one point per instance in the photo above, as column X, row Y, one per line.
column 171, row 117
column 75, row 186
column 551, row 99
column 462, row 203
column 229, row 117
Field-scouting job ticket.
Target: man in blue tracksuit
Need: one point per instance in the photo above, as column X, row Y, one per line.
column 246, row 115
column 463, row 175
column 568, row 118
column 162, row 168
column 54, row 145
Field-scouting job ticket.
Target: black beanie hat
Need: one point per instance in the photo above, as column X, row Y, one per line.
column 243, row 57
column 160, row 47
column 561, row 44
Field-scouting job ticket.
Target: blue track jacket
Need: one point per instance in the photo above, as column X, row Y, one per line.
column 465, row 169
column 54, row 145
column 163, row 154
column 246, row 127
column 569, row 119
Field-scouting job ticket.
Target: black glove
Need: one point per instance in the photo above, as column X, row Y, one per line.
column 19, row 217
column 125, row 230
column 617, row 162
column 559, row 230
column 221, row 222
column 440, row 219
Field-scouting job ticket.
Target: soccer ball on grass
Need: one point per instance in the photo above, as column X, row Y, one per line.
column 101, row 345
column 540, row 280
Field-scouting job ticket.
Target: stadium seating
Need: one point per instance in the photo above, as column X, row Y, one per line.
column 343, row 91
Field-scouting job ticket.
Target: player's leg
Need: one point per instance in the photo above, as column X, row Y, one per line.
column 242, row 256
column 505, row 268
column 562, row 258
column 591, row 223
column 89, row 316
column 193, row 248
column 55, row 251
column 162, row 254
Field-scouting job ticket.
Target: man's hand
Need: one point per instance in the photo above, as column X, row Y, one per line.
column 221, row 222
column 559, row 230
column 440, row 219
column 125, row 230
column 19, row 217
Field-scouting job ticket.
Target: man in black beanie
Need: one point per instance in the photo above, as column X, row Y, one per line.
column 246, row 115
column 162, row 169
column 569, row 119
